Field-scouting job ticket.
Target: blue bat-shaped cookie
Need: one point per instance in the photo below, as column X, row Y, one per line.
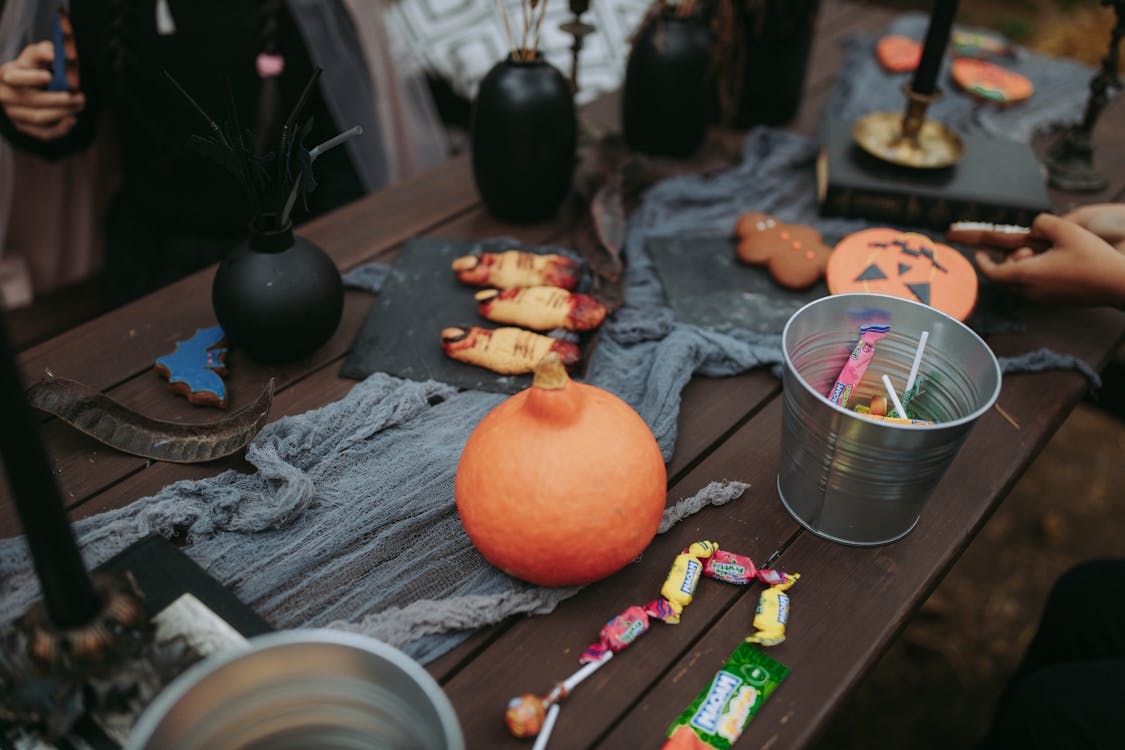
column 193, row 370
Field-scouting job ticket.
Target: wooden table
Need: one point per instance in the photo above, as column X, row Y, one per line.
column 849, row 604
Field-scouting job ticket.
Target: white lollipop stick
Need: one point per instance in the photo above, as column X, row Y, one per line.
column 917, row 360
column 894, row 397
column 548, row 727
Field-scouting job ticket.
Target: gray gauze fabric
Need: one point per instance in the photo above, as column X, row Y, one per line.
column 350, row 520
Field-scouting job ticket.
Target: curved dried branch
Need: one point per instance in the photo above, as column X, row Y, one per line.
column 109, row 422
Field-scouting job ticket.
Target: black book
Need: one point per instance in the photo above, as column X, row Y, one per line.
column 996, row 180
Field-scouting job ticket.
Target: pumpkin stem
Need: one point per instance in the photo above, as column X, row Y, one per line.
column 550, row 375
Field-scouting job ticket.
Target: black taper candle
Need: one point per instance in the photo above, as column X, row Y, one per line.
column 68, row 592
column 937, row 39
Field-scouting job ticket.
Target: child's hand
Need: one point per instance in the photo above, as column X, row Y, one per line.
column 45, row 115
column 1079, row 268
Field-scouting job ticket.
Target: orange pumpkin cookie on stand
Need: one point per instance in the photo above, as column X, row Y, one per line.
column 795, row 254
column 907, row 265
column 897, row 53
column 990, row 82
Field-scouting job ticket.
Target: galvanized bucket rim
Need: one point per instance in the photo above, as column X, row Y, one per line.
column 968, row 419
column 155, row 712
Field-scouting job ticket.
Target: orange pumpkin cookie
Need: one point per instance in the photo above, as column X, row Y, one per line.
column 517, row 268
column 990, row 82
column 898, row 54
column 541, row 308
column 508, row 351
column 907, row 265
column 795, row 254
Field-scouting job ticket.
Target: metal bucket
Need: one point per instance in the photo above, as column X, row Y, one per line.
column 854, row 480
column 302, row 689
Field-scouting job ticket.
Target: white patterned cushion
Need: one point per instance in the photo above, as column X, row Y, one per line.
column 460, row 40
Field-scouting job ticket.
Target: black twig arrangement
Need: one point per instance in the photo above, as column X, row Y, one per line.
column 273, row 180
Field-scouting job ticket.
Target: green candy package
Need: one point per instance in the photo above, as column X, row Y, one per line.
column 718, row 715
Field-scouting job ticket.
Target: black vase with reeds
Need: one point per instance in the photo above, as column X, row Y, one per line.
column 524, row 128
column 277, row 296
column 669, row 94
column 524, row 135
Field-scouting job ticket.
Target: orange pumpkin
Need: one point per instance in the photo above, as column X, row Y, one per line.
column 904, row 264
column 562, row 484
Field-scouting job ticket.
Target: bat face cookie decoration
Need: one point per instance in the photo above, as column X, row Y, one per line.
column 794, row 254
column 907, row 265
column 194, row 368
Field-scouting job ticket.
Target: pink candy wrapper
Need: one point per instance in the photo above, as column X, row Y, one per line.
column 857, row 363
column 617, row 634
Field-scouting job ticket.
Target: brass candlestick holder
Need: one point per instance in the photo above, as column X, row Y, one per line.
column 909, row 139
column 579, row 30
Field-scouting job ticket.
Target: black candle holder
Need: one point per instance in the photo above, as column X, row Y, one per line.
column 1070, row 163
column 578, row 29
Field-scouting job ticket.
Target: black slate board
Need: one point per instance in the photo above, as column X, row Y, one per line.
column 402, row 333
column 706, row 286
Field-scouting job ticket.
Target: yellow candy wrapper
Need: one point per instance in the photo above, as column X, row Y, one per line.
column 772, row 613
column 679, row 587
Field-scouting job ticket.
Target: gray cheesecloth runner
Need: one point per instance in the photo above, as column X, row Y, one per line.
column 350, row 522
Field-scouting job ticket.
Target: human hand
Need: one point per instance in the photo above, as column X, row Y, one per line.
column 1079, row 268
column 45, row 115
column 1107, row 220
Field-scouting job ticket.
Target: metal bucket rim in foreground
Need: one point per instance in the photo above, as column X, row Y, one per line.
column 967, row 419
column 155, row 712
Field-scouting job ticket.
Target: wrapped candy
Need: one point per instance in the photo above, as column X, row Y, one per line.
column 719, row 714
column 617, row 634
column 773, row 613
column 679, row 587
column 738, row 569
column 856, row 366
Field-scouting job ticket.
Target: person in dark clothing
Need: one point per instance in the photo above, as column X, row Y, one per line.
column 1069, row 690
column 176, row 211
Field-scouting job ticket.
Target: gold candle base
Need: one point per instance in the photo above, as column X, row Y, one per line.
column 909, row 139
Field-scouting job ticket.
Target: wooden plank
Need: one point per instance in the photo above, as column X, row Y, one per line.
column 125, row 341
column 537, row 652
column 879, row 588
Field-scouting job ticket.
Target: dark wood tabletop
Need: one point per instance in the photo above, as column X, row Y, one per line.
column 850, row 602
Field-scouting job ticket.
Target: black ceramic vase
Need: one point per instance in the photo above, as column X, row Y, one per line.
column 669, row 95
column 524, row 135
column 277, row 296
column 767, row 71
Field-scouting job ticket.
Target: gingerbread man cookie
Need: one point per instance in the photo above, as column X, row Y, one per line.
column 795, row 254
